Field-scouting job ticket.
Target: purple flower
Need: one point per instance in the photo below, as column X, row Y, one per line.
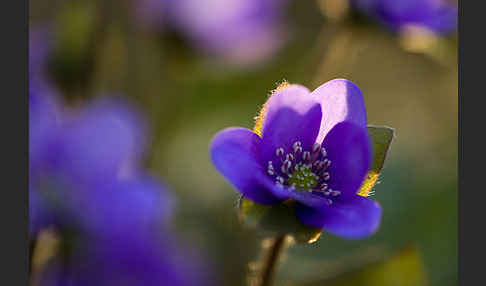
column 134, row 260
column 87, row 184
column 43, row 117
column 311, row 147
column 75, row 151
column 439, row 16
column 240, row 31
column 116, row 237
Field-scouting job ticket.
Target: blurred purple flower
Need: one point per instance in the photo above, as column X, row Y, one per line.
column 86, row 182
column 239, row 31
column 438, row 16
column 133, row 260
column 117, row 238
column 76, row 151
column 312, row 147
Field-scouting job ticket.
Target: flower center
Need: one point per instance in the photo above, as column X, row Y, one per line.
column 302, row 170
column 303, row 177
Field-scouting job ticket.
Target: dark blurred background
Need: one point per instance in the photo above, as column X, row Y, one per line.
column 102, row 47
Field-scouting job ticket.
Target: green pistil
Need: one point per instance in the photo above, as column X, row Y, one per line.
column 303, row 178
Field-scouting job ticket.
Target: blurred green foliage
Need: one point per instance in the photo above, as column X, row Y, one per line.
column 403, row 268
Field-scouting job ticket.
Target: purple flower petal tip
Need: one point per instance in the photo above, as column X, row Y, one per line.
column 354, row 218
column 341, row 100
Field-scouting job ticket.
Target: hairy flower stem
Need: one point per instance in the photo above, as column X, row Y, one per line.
column 277, row 246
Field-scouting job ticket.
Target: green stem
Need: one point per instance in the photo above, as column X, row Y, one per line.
column 271, row 260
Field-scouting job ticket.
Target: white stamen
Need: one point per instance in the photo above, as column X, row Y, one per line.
column 336, row 193
column 323, row 152
column 289, row 157
column 297, row 147
column 315, row 148
column 297, row 150
column 326, row 176
column 326, row 163
column 270, row 169
column 306, row 156
column 286, row 166
column 296, row 144
column 279, row 152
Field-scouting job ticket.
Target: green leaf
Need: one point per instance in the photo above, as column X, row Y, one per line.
column 381, row 137
column 276, row 219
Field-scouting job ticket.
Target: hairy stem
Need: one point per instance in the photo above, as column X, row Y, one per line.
column 271, row 259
